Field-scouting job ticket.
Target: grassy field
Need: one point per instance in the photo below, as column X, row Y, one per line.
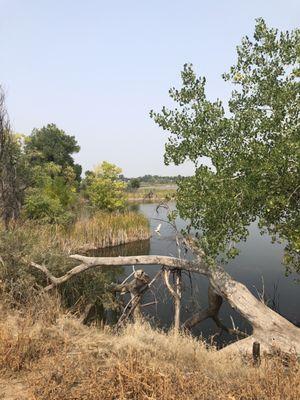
column 152, row 193
column 46, row 355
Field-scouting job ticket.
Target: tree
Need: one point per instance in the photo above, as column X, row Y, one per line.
column 254, row 147
column 52, row 145
column 52, row 194
column 104, row 188
column 134, row 183
column 54, row 175
column 11, row 165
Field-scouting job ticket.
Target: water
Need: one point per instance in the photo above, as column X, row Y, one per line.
column 258, row 266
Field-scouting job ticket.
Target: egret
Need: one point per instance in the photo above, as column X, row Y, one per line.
column 157, row 230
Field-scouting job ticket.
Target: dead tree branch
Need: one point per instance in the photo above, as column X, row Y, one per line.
column 176, row 294
column 94, row 262
column 269, row 328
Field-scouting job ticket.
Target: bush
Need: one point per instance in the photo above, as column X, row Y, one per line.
column 104, row 188
column 44, row 208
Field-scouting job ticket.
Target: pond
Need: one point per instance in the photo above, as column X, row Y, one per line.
column 258, row 266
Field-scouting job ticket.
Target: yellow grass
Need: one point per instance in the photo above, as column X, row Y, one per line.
column 99, row 231
column 52, row 356
column 107, row 229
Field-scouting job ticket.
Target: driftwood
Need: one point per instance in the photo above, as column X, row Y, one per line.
column 270, row 329
column 137, row 287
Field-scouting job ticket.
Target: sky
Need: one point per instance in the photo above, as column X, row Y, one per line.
column 96, row 68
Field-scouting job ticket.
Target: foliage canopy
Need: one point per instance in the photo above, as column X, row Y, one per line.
column 54, row 176
column 52, row 193
column 104, row 188
column 134, row 183
column 253, row 144
column 50, row 144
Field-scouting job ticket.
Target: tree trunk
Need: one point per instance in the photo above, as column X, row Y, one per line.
column 177, row 300
column 136, row 304
column 176, row 294
column 270, row 329
column 10, row 188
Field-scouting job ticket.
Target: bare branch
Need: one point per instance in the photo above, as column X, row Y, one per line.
column 45, row 271
column 58, row 281
column 168, row 262
column 168, row 284
column 135, row 300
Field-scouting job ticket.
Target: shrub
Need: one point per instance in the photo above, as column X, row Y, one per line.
column 104, row 188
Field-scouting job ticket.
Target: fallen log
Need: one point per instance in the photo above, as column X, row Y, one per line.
column 270, row 329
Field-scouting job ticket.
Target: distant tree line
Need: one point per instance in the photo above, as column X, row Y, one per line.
column 154, row 179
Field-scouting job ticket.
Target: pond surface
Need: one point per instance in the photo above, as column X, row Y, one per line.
column 258, row 266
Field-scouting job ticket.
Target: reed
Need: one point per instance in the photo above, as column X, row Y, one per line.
column 51, row 246
column 108, row 229
column 96, row 232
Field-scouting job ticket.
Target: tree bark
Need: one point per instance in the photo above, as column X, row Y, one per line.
column 270, row 329
column 176, row 294
column 177, row 300
column 214, row 305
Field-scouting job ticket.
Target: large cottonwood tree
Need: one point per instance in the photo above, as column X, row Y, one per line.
column 253, row 143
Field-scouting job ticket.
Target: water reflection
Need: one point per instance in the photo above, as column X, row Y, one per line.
column 139, row 247
column 258, row 266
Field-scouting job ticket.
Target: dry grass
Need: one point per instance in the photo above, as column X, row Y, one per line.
column 57, row 358
column 28, row 335
column 109, row 229
column 98, row 231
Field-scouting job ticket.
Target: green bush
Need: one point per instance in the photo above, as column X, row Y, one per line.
column 104, row 188
column 42, row 207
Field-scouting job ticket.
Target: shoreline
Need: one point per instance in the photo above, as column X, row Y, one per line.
column 87, row 248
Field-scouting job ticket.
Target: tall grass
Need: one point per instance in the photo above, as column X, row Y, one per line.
column 60, row 359
column 108, row 229
column 98, row 231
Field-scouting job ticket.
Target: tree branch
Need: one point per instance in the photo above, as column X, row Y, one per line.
column 169, row 262
column 168, row 284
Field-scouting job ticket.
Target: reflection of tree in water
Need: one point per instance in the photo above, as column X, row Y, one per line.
column 140, row 247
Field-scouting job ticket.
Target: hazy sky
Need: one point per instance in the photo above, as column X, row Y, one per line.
column 96, row 68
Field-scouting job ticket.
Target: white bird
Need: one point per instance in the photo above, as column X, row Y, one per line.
column 157, row 230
